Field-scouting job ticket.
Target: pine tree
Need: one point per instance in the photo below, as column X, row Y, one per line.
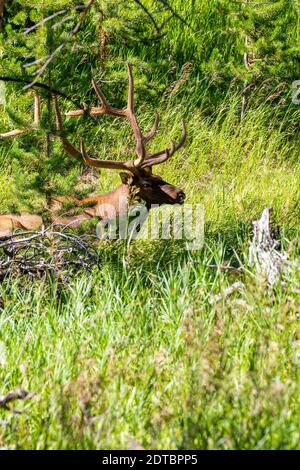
column 188, row 64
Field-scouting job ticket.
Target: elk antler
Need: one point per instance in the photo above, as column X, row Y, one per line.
column 71, row 150
column 68, row 147
column 36, row 121
column 163, row 155
column 144, row 158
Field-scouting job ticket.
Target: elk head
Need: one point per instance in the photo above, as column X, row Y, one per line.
column 137, row 173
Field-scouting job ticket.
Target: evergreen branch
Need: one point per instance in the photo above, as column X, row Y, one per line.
column 169, row 7
column 149, row 14
column 63, row 45
column 51, row 91
column 152, row 19
column 49, row 18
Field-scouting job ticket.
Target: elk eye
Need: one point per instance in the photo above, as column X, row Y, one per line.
column 146, row 185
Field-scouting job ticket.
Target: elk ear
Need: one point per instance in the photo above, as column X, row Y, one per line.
column 127, row 178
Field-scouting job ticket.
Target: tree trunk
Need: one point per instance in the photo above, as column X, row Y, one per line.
column 2, row 2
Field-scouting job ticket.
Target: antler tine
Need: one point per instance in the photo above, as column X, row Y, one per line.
column 36, row 121
column 68, row 147
column 144, row 159
column 37, row 109
column 183, row 138
column 105, row 106
column 109, row 164
column 71, row 150
column 128, row 113
column 100, row 95
column 153, row 130
column 140, row 147
column 130, row 102
column 162, row 156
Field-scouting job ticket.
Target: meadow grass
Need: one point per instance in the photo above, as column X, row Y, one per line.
column 143, row 353
column 140, row 353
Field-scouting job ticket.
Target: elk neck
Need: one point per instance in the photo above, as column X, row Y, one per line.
column 118, row 200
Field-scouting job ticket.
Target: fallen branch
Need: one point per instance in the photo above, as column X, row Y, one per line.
column 169, row 7
column 39, row 253
column 236, row 286
column 14, row 395
column 152, row 19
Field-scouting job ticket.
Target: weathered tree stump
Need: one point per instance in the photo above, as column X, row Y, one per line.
column 264, row 251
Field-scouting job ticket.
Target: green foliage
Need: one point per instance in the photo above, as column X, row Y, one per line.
column 142, row 352
column 194, row 67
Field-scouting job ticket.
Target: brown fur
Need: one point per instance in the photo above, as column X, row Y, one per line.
column 144, row 185
column 11, row 222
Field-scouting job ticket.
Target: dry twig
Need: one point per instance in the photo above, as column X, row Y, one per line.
column 14, row 395
column 44, row 252
column 62, row 45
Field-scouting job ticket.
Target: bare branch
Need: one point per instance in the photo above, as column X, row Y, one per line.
column 37, row 109
column 38, row 253
column 15, row 132
column 169, row 7
column 165, row 22
column 54, row 15
column 63, row 45
column 154, row 22
column 15, row 395
column 64, row 20
column 35, row 62
column 51, row 91
column 36, row 121
column 158, row 29
column 45, row 20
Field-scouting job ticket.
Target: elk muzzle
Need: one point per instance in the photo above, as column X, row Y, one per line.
column 172, row 194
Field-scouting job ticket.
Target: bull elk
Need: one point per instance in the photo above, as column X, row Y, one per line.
column 136, row 175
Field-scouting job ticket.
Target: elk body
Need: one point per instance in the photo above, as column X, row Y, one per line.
column 136, row 175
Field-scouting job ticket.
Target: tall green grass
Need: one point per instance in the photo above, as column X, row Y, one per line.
column 222, row 165
column 144, row 353
column 149, row 350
